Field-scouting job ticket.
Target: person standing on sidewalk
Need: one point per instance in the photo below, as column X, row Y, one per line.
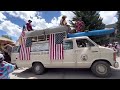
column 5, row 68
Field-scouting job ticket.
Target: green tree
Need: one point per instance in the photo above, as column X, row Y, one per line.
column 6, row 36
column 92, row 21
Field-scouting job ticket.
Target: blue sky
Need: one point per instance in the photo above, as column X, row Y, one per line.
column 11, row 22
column 48, row 15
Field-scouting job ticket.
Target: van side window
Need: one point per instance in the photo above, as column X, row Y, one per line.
column 41, row 38
column 47, row 37
column 34, row 39
column 16, row 49
column 68, row 44
column 40, row 47
column 84, row 43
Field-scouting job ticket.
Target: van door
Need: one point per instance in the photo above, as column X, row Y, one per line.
column 15, row 54
column 86, row 53
column 69, row 55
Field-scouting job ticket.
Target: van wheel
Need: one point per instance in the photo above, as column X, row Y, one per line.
column 101, row 69
column 38, row 68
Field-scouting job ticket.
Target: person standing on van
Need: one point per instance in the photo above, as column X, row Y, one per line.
column 29, row 26
column 63, row 22
column 5, row 68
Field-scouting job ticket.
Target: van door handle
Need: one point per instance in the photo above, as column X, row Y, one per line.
column 94, row 51
column 77, row 50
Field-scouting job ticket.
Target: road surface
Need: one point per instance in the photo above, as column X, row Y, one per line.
column 25, row 73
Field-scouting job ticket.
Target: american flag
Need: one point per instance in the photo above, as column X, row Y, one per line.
column 24, row 53
column 56, row 46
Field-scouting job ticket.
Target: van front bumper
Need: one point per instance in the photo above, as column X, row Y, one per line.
column 116, row 64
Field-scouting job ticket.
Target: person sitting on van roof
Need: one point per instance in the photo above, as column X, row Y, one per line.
column 63, row 22
column 29, row 26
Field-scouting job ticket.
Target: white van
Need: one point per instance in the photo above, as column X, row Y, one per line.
column 79, row 52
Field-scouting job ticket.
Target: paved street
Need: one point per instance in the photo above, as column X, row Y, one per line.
column 62, row 74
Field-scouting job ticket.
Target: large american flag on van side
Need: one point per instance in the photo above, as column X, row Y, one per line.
column 24, row 53
column 56, row 46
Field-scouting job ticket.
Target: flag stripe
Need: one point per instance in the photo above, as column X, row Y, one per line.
column 60, row 51
column 56, row 51
column 51, row 47
column 24, row 49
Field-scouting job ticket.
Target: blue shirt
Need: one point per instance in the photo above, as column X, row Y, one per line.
column 5, row 70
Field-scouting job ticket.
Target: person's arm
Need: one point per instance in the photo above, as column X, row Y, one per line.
column 10, row 67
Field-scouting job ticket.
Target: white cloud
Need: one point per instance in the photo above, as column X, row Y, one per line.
column 10, row 28
column 108, row 17
column 37, row 21
column 25, row 15
column 2, row 17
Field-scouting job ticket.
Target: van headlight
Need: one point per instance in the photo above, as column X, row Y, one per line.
column 116, row 64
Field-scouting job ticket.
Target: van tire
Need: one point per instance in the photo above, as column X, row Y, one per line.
column 103, row 65
column 38, row 68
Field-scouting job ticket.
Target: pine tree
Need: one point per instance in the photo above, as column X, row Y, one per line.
column 92, row 21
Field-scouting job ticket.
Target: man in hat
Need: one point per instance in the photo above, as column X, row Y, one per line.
column 29, row 26
column 5, row 68
column 79, row 25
